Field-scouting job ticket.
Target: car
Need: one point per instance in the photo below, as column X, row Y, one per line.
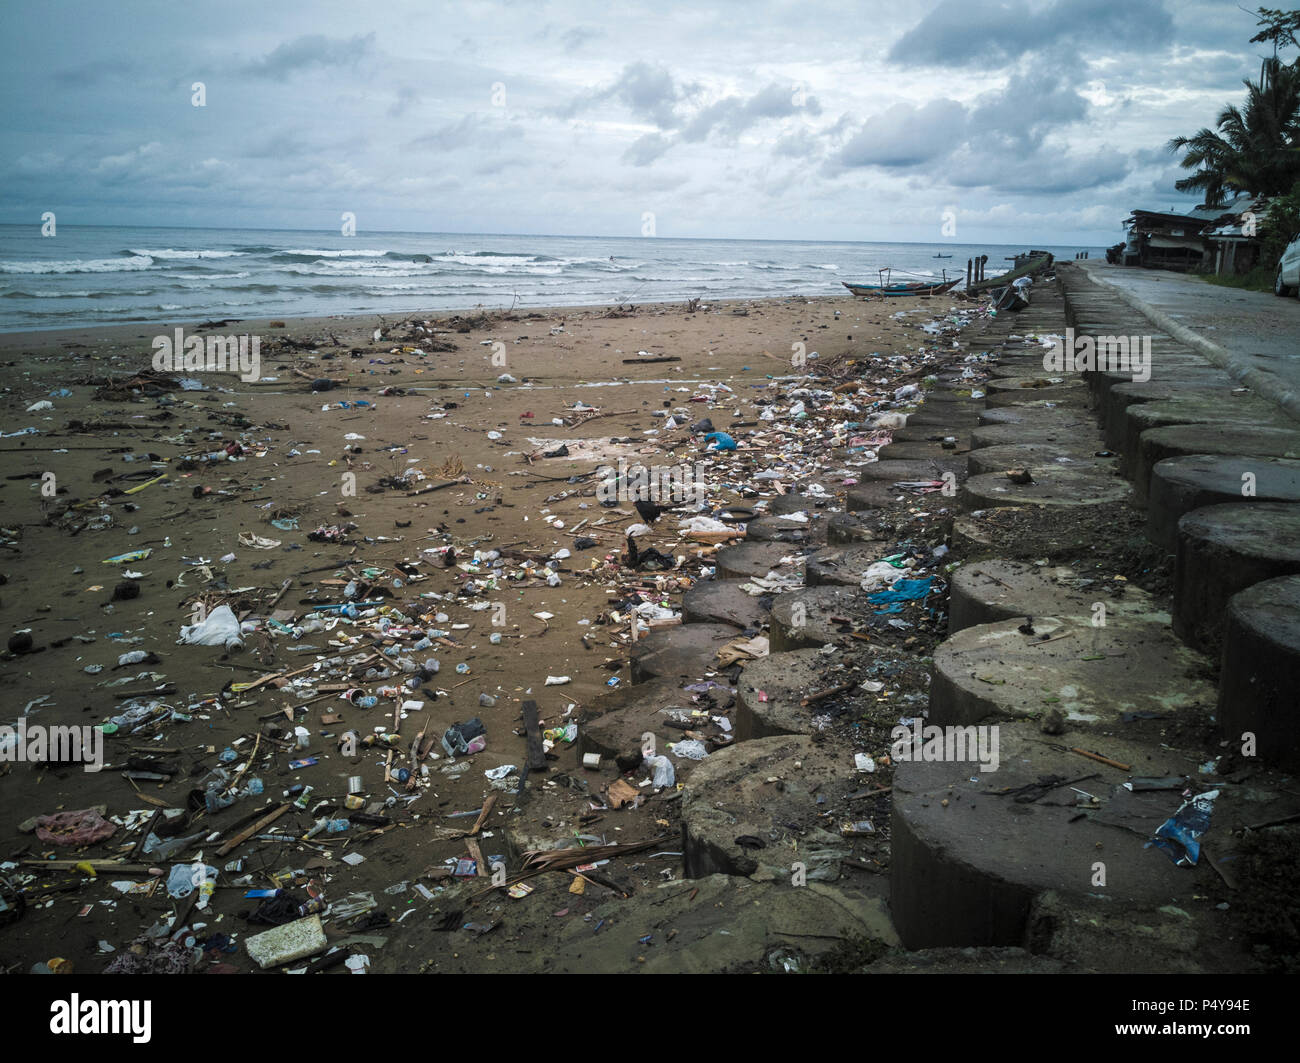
column 1287, row 281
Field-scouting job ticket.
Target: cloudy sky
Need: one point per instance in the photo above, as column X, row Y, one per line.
column 1030, row 120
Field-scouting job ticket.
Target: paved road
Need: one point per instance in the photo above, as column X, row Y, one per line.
column 1258, row 328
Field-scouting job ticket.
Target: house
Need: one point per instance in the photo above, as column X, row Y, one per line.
column 1234, row 244
column 1220, row 239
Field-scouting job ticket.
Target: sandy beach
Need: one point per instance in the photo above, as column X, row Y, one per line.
column 336, row 459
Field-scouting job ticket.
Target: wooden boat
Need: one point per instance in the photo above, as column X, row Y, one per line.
column 902, row 288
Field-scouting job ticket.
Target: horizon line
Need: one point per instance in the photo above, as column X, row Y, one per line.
column 552, row 236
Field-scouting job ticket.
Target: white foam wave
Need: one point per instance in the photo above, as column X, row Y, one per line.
column 78, row 265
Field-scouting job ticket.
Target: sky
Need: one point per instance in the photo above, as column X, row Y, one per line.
column 1017, row 121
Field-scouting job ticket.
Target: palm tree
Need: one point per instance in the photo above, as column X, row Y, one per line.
column 1255, row 148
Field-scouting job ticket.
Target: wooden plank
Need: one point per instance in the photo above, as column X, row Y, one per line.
column 477, row 855
column 256, row 828
column 532, row 727
column 98, row 865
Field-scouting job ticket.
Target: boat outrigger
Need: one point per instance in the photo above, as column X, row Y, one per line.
column 890, row 287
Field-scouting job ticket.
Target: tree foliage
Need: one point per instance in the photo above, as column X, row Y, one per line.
column 1254, row 148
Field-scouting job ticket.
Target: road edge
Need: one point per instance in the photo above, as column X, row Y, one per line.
column 1263, row 384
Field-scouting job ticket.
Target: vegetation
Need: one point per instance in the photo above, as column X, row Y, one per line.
column 1255, row 148
column 1280, row 225
column 1259, row 279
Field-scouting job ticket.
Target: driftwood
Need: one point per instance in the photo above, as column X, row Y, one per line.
column 536, row 760
column 257, row 827
column 95, row 865
column 435, row 487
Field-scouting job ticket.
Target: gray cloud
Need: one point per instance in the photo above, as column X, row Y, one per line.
column 574, row 39
column 645, row 150
column 313, row 50
column 906, row 135
column 734, row 114
column 1024, row 109
column 1031, row 106
column 967, row 33
column 473, row 131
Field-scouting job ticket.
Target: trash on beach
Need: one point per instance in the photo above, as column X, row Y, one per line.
column 461, row 739
column 127, row 558
column 1180, row 835
column 284, row 944
column 219, row 628
column 83, row 827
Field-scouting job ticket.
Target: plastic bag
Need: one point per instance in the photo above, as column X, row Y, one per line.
column 219, row 628
column 465, row 738
column 665, row 774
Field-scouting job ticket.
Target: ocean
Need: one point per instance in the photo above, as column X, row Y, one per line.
column 99, row 275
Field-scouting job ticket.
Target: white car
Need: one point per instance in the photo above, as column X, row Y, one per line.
column 1287, row 281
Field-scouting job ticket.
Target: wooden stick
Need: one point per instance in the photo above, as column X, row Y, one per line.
column 286, row 675
column 486, row 811
column 433, row 487
column 97, row 865
column 257, row 742
column 1103, row 760
column 821, row 694
column 474, row 851
column 256, row 828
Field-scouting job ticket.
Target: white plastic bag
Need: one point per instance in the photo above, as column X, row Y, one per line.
column 665, row 775
column 219, row 628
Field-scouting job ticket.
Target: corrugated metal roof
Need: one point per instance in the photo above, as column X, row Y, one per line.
column 1239, row 205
